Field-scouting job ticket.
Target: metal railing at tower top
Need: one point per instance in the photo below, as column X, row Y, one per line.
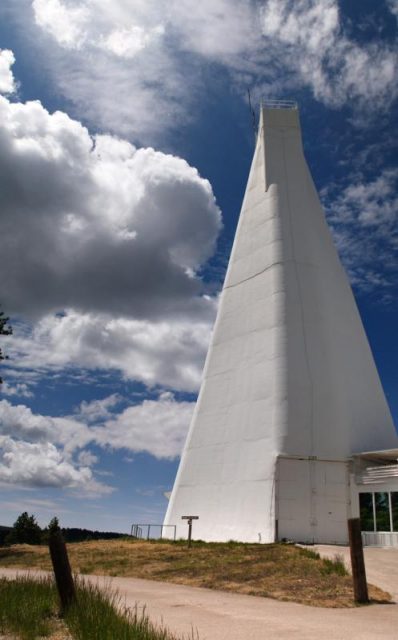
column 279, row 104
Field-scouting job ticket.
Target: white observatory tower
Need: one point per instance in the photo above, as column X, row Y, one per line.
column 290, row 391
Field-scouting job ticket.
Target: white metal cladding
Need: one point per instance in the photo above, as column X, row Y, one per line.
column 313, row 501
column 381, row 473
column 289, row 370
column 380, row 538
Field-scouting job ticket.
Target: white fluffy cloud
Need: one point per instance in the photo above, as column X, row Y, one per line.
column 72, row 26
column 18, row 421
column 7, row 81
column 66, row 23
column 167, row 353
column 95, row 224
column 102, row 242
column 39, row 465
column 39, row 451
column 158, row 427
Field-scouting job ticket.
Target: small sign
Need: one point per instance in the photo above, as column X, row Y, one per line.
column 189, row 522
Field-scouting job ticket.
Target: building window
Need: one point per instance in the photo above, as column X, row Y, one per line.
column 366, row 511
column 394, row 510
column 382, row 511
column 379, row 511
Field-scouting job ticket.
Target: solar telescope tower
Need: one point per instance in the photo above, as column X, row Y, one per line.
column 290, row 390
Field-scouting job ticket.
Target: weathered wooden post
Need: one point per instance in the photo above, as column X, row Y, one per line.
column 62, row 570
column 357, row 561
column 189, row 519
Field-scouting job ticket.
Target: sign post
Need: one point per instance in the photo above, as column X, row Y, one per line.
column 189, row 520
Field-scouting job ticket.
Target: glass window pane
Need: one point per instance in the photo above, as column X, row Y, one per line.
column 382, row 512
column 394, row 505
column 366, row 511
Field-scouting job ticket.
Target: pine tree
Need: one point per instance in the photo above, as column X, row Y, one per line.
column 25, row 530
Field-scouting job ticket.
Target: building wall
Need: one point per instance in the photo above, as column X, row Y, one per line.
column 313, row 500
column 227, row 471
column 335, row 401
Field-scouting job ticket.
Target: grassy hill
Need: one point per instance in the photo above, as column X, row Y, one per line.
column 280, row 571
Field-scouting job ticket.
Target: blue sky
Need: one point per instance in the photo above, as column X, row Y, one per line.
column 125, row 145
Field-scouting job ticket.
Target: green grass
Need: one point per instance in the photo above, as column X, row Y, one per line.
column 334, row 565
column 29, row 609
column 101, row 615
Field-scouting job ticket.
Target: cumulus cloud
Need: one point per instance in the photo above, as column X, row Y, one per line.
column 158, row 427
column 95, row 224
column 39, row 465
column 166, row 353
column 7, row 81
column 102, row 247
column 38, row 450
column 18, row 421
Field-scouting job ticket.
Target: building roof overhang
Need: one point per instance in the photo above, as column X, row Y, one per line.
column 384, row 456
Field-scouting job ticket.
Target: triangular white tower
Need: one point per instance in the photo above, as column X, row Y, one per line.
column 290, row 389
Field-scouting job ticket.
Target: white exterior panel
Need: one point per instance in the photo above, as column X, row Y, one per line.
column 313, row 500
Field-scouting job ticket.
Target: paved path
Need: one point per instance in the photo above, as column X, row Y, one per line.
column 226, row 616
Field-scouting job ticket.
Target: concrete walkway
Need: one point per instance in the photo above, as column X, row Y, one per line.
column 217, row 615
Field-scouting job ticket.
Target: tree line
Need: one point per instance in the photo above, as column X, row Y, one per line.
column 26, row 530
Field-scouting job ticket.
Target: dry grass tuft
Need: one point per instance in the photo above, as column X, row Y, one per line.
column 280, row 571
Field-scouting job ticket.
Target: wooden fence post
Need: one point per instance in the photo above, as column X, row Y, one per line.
column 62, row 570
column 357, row 561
